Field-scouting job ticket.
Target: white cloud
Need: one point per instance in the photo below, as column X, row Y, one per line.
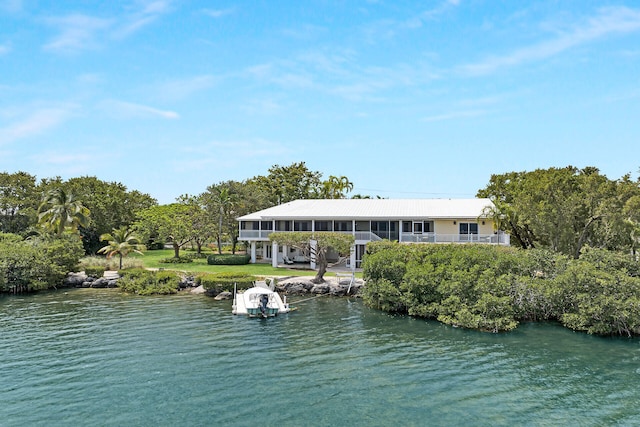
column 149, row 12
column 34, row 123
column 128, row 110
column 618, row 20
column 77, row 32
column 183, row 88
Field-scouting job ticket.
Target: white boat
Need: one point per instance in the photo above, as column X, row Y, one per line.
column 259, row 301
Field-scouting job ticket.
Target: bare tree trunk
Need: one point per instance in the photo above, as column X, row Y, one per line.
column 321, row 262
column 176, row 250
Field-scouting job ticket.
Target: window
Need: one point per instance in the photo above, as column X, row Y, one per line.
column 249, row 225
column 468, row 228
column 266, row 225
column 323, row 226
column 407, row 226
column 301, row 225
column 417, row 227
column 283, row 225
column 362, row 226
column 343, row 226
column 428, row 227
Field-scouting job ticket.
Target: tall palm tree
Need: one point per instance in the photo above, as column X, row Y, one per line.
column 60, row 210
column 121, row 242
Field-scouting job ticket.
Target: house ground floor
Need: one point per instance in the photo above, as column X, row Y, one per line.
column 281, row 254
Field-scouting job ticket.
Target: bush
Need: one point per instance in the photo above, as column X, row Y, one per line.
column 94, row 271
column 493, row 288
column 228, row 259
column 174, row 260
column 109, row 263
column 144, row 282
column 219, row 282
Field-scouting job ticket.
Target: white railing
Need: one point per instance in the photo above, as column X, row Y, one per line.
column 368, row 236
column 254, row 234
column 496, row 239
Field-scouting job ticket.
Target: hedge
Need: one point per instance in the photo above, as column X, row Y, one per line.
column 228, row 259
column 219, row 282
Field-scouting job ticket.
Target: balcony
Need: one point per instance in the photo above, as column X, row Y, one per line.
column 367, row 236
column 496, row 239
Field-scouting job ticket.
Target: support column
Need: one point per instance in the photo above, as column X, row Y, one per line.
column 314, row 245
column 274, row 254
column 352, row 257
column 253, row 252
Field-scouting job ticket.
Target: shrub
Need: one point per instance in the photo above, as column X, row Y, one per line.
column 94, row 271
column 174, row 260
column 219, row 282
column 144, row 282
column 228, row 259
column 109, row 264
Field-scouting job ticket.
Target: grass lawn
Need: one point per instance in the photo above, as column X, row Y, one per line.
column 151, row 259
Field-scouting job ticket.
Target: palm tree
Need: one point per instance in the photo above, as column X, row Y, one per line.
column 121, row 242
column 60, row 210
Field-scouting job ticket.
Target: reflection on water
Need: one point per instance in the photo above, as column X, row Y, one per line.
column 98, row 357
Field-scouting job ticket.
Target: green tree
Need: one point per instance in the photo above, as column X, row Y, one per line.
column 18, row 202
column 316, row 245
column 122, row 241
column 562, row 209
column 335, row 187
column 171, row 223
column 202, row 222
column 60, row 210
column 111, row 204
column 286, row 183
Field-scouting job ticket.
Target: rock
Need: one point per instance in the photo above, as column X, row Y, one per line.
column 100, row 283
column 223, row 296
column 322, row 288
column 75, row 279
column 199, row 290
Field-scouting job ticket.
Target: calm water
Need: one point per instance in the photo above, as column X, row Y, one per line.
column 97, row 357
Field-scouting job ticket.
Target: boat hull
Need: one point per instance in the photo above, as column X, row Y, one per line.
column 259, row 301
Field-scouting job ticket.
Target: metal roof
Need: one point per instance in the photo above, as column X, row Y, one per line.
column 372, row 209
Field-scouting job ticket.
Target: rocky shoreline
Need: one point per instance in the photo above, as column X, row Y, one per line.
column 288, row 285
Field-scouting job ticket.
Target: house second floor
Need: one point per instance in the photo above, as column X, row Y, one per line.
column 403, row 220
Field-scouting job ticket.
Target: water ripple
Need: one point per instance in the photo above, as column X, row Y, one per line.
column 92, row 357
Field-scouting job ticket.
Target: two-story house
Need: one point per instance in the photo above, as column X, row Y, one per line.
column 403, row 220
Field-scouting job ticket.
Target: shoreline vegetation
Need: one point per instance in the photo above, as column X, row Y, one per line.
column 574, row 260
column 491, row 288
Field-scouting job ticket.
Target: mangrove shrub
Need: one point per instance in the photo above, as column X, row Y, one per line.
column 493, row 288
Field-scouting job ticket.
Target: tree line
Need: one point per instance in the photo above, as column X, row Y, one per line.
column 86, row 215
column 564, row 209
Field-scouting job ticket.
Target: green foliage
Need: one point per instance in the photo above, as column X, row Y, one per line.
column 145, row 282
column 121, row 241
column 109, row 264
column 170, row 223
column 38, row 263
column 218, row 282
column 564, row 209
column 316, row 245
column 179, row 260
column 228, row 259
column 493, row 288
column 94, row 271
column 61, row 210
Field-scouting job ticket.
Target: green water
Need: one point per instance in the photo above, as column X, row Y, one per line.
column 97, row 357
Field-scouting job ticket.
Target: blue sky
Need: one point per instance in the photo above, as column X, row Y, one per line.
column 408, row 99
